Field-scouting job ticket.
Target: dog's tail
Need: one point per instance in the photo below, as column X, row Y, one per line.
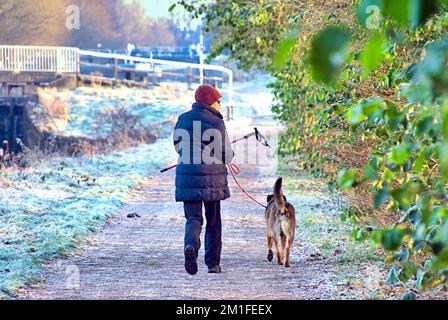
column 278, row 195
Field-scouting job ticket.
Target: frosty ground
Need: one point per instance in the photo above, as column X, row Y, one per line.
column 142, row 257
column 65, row 231
column 46, row 209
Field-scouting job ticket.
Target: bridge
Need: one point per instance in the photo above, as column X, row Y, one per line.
column 32, row 64
column 24, row 68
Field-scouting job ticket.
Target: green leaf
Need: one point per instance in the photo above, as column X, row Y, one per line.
column 420, row 282
column 370, row 172
column 403, row 196
column 443, row 154
column 423, row 126
column 375, row 237
column 444, row 128
column 373, row 53
column 399, row 10
column 391, row 239
column 408, row 271
column 171, row 8
column 399, row 154
column 373, row 106
column 355, row 114
column 285, row 49
column 403, row 255
column 393, row 275
column 441, row 261
column 329, row 51
column 442, row 232
column 365, row 109
column 388, row 175
column 369, row 13
column 393, row 116
column 411, row 13
column 358, row 234
column 374, row 163
column 380, row 198
column 346, row 178
column 420, row 160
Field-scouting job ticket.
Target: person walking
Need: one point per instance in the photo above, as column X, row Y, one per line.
column 199, row 181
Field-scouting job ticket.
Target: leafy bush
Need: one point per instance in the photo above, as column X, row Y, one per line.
column 362, row 87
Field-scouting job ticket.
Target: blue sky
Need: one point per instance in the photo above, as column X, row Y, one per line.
column 159, row 9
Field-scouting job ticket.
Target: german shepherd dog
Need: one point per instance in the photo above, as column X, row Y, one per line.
column 280, row 225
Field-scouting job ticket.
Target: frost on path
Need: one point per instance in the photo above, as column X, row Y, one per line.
column 142, row 258
column 116, row 216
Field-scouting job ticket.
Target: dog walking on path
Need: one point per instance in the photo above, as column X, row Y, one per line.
column 280, row 225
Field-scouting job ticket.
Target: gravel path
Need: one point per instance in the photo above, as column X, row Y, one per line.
column 142, row 257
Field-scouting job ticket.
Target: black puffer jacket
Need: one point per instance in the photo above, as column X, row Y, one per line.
column 201, row 181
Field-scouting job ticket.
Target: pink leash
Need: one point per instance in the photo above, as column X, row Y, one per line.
column 234, row 170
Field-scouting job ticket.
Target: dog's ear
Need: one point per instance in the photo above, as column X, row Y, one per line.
column 269, row 198
column 284, row 198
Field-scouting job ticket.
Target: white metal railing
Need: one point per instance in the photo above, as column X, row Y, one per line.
column 67, row 60
column 39, row 59
column 153, row 63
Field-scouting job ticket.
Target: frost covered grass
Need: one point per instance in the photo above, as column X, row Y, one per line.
column 93, row 112
column 83, row 112
column 45, row 210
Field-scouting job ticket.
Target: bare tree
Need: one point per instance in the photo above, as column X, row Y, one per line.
column 97, row 24
column 31, row 22
column 111, row 23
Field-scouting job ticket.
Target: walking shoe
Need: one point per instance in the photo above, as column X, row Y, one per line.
column 191, row 265
column 215, row 269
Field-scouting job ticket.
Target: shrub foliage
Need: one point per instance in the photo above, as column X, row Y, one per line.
column 362, row 88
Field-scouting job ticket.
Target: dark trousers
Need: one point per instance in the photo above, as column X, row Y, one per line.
column 193, row 227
